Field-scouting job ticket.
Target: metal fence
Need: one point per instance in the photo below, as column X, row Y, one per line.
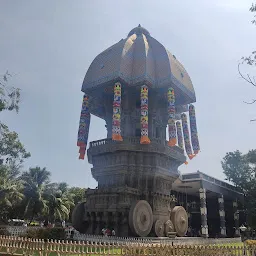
column 72, row 234
column 24, row 246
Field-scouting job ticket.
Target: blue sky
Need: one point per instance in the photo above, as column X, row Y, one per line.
column 48, row 46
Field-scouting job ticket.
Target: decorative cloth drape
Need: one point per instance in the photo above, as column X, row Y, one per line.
column 116, row 119
column 144, row 139
column 84, row 125
column 186, row 136
column 179, row 135
column 193, row 129
column 171, row 117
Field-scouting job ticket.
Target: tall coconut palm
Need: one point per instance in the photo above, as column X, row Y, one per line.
column 35, row 181
column 10, row 189
column 59, row 202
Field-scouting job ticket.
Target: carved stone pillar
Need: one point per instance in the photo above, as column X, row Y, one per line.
column 108, row 118
column 104, row 220
column 108, row 126
column 203, row 211
column 108, row 219
column 146, row 187
column 189, row 218
column 124, row 226
column 116, row 222
column 223, row 232
column 189, row 224
column 98, row 224
column 91, row 228
column 236, row 218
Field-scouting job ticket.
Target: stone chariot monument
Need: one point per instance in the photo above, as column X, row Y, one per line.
column 139, row 88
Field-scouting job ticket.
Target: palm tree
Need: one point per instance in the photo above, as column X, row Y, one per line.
column 10, row 189
column 78, row 195
column 59, row 201
column 35, row 181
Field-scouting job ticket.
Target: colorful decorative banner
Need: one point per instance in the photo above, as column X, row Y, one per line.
column 144, row 139
column 193, row 129
column 186, row 136
column 179, row 135
column 116, row 119
column 84, row 125
column 171, row 117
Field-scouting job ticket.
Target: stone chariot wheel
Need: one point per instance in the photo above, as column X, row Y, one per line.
column 159, row 228
column 78, row 221
column 179, row 219
column 168, row 227
column 141, row 218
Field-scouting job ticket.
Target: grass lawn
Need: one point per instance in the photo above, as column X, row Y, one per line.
column 232, row 244
column 93, row 252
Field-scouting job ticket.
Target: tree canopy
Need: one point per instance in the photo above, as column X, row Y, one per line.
column 249, row 60
column 11, row 149
column 28, row 194
column 9, row 95
column 240, row 169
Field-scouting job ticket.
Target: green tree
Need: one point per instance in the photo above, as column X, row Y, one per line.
column 9, row 95
column 78, row 194
column 249, row 60
column 11, row 149
column 253, row 9
column 12, row 152
column 59, row 202
column 10, row 190
column 35, row 181
column 240, row 169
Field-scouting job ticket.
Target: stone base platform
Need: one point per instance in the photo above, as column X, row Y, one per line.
column 156, row 240
column 194, row 240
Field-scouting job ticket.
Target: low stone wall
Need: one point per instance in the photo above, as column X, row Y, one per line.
column 17, row 230
column 71, row 233
column 150, row 240
column 205, row 241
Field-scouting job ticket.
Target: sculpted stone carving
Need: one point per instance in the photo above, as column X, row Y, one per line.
column 141, row 218
column 179, row 218
column 168, row 227
column 159, row 228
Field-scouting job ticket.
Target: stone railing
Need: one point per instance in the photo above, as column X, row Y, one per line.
column 155, row 240
column 24, row 246
column 17, row 230
column 71, row 233
column 131, row 140
column 133, row 144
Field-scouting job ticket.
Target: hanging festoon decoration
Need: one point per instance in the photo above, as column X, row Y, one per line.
column 144, row 139
column 84, row 125
column 116, row 119
column 193, row 129
column 171, row 117
column 186, row 136
column 179, row 135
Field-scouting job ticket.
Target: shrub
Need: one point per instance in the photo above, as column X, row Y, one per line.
column 31, row 233
column 3, row 232
column 56, row 233
column 46, row 233
column 250, row 242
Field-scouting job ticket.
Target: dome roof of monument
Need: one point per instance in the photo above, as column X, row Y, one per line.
column 139, row 59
